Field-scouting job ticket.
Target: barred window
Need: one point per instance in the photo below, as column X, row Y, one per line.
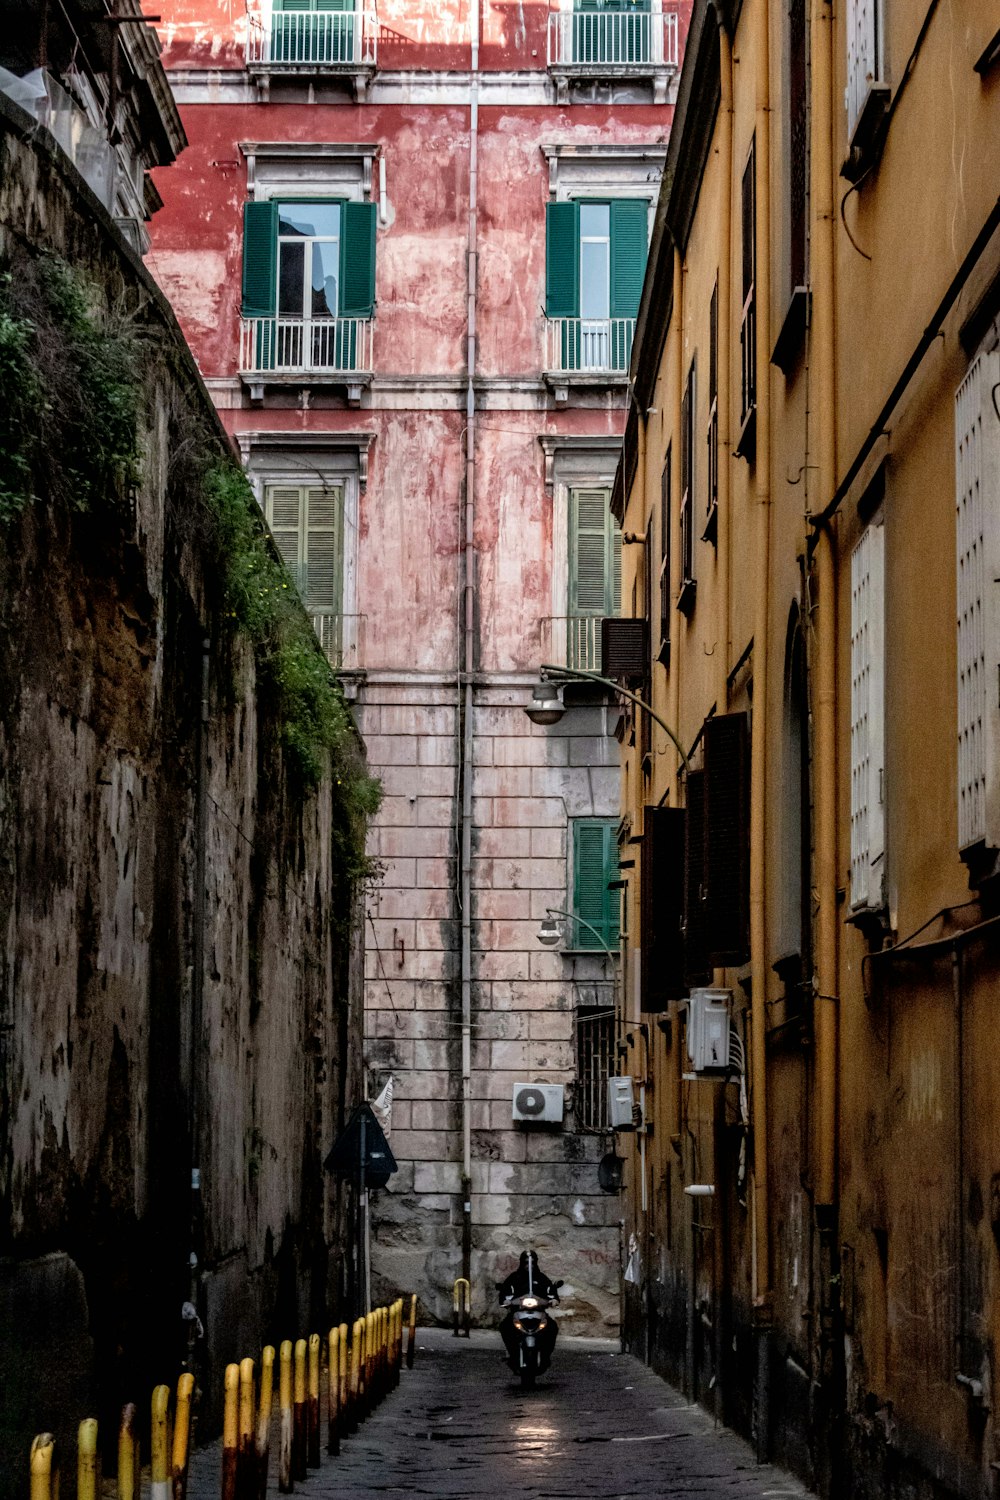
column 595, row 1064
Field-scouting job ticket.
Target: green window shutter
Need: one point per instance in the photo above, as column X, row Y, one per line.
column 595, row 863
column 322, row 533
column 284, row 507
column 629, row 218
column 357, row 260
column 562, row 260
column 592, row 554
column 260, row 259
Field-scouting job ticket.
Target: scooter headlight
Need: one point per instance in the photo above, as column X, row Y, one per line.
column 529, row 1301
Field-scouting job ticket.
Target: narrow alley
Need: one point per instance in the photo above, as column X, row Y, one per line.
column 598, row 1424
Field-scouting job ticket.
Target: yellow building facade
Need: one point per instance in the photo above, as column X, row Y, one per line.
column 809, row 495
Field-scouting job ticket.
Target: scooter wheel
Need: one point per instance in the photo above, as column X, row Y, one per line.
column 529, row 1370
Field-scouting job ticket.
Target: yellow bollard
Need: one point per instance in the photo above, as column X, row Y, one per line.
column 286, row 1482
column 333, row 1392
column 312, row 1404
column 410, row 1350
column 128, row 1455
column 263, row 1444
column 399, row 1337
column 354, row 1388
column 182, row 1436
column 245, row 1463
column 231, row 1433
column 299, row 1418
column 86, row 1459
column 42, row 1450
column 370, row 1328
column 159, row 1445
column 342, row 1382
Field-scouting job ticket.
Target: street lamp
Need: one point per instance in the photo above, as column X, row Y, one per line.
column 549, row 934
column 547, row 707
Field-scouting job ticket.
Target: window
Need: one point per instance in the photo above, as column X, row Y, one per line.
column 685, row 601
column 307, row 522
column 595, row 574
column 314, row 31
column 595, row 865
column 977, row 496
column 308, row 283
column 595, row 260
column 867, row 720
column 595, row 1064
column 798, row 143
column 611, row 31
column 748, row 317
column 712, row 436
column 665, row 482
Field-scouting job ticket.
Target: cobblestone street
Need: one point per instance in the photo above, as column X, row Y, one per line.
column 598, row 1424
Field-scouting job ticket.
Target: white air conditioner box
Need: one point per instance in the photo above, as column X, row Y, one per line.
column 620, row 1103
column 708, row 1030
column 538, row 1103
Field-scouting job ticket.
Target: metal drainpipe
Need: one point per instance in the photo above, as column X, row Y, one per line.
column 198, row 988
column 468, row 653
column 759, row 742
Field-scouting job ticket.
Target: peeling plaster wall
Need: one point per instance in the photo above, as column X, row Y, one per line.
column 102, row 617
column 528, row 784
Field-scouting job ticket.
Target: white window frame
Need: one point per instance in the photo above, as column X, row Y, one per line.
column 308, row 242
column 977, row 558
column 865, row 55
column 868, row 720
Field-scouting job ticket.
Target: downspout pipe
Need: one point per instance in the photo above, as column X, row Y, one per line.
column 822, row 333
column 723, row 393
column 468, row 648
column 759, row 732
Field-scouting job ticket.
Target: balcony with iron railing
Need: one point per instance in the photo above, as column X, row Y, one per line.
column 314, row 42
column 306, row 351
column 341, row 636
column 573, row 639
column 588, row 351
column 610, row 44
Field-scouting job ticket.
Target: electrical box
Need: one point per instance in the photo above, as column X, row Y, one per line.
column 708, row 1030
column 538, row 1103
column 621, row 1101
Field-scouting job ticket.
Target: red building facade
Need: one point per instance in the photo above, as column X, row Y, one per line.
column 407, row 248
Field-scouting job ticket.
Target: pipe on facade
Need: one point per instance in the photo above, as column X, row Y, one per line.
column 825, row 676
column 198, row 988
column 759, row 730
column 468, row 648
column 676, row 332
column 722, row 535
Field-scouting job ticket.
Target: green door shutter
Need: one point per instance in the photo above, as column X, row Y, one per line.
column 594, row 572
column 284, row 514
column 357, row 260
column 260, row 259
column 629, row 218
column 324, row 508
column 562, row 260
column 595, row 863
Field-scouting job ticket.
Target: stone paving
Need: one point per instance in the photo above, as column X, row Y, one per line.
column 598, row 1424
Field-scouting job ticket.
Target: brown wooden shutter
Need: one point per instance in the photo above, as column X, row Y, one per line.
column 662, row 897
column 696, row 966
column 727, row 839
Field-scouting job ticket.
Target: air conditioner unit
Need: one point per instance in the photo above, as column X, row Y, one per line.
column 620, row 1103
column 538, row 1103
column 708, row 1030
column 624, row 647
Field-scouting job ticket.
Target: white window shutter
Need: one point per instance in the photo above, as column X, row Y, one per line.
column 862, row 55
column 977, row 501
column 868, row 719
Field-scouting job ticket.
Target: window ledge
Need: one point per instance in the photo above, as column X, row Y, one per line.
column 256, row 381
column 982, row 862
column 866, row 137
column 872, row 922
column 711, row 524
column 746, row 443
column 788, row 344
column 561, row 382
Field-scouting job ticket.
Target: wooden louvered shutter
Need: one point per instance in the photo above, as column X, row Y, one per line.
column 357, row 260
column 629, row 219
column 662, row 916
column 260, row 259
column 727, row 839
column 594, row 865
column 284, row 514
column 592, row 554
column 562, row 260
column 696, row 967
column 321, row 588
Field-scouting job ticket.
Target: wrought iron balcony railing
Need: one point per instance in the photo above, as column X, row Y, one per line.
column 589, row 346
column 306, row 346
column 313, row 38
column 574, row 639
column 341, row 636
column 588, row 41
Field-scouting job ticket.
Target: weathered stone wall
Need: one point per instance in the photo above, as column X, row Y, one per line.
column 103, row 615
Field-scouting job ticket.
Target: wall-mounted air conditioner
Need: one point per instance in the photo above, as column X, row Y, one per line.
column 708, row 1030
column 538, row 1103
column 621, row 1101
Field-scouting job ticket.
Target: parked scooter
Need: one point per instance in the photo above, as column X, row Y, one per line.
column 529, row 1330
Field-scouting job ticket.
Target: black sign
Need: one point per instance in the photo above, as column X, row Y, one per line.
column 362, row 1147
